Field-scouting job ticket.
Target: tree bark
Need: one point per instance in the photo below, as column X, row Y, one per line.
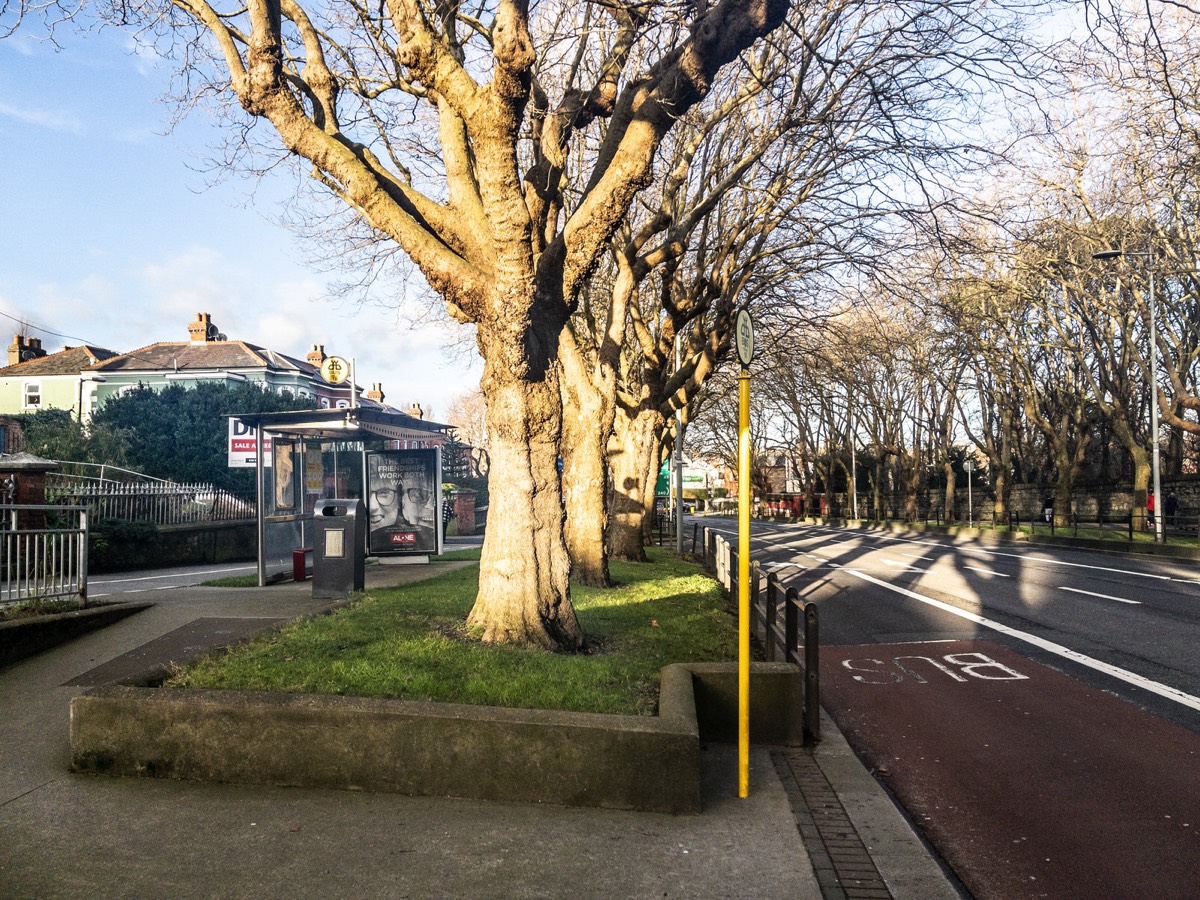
column 524, row 574
column 587, row 425
column 635, row 472
column 951, row 487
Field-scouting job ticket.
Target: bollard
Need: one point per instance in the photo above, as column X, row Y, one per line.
column 812, row 675
column 791, row 624
column 695, row 533
column 772, row 604
column 755, row 583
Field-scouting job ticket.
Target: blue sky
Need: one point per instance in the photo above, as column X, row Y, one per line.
column 108, row 236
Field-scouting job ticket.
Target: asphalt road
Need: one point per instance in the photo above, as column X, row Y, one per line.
column 1127, row 624
column 122, row 583
column 1034, row 710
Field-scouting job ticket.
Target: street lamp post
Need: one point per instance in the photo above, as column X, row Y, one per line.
column 853, row 456
column 1154, row 466
column 969, row 465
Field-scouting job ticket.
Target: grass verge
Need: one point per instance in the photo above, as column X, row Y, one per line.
column 31, row 609
column 409, row 642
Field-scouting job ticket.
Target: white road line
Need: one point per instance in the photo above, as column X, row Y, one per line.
column 892, row 562
column 160, row 576
column 1101, row 596
column 1136, row 680
column 987, row 571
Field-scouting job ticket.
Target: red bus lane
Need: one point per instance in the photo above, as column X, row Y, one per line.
column 1028, row 782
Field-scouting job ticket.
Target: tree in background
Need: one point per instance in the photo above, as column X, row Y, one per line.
column 56, row 434
column 180, row 433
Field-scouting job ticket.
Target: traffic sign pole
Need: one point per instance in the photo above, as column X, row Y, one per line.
column 744, row 340
column 744, row 584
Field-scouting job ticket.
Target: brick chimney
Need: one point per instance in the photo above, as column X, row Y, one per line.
column 202, row 330
column 316, row 355
column 416, row 412
column 376, row 392
column 22, row 349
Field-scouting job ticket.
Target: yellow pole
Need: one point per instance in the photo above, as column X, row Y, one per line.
column 744, row 584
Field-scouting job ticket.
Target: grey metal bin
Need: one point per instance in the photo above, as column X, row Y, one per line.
column 339, row 548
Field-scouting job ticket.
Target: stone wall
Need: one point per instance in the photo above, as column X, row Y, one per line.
column 646, row 763
column 147, row 547
column 1028, row 500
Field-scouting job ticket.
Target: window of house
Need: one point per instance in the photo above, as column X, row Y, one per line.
column 343, row 404
column 33, row 395
column 324, row 403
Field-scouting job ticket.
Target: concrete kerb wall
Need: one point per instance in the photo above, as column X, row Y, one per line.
column 431, row 749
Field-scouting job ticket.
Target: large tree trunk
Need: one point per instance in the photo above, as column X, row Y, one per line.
column 1142, row 472
column 587, row 425
column 912, row 485
column 635, row 472
column 524, row 575
column 951, row 487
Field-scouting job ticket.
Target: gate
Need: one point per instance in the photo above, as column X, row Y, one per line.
column 40, row 562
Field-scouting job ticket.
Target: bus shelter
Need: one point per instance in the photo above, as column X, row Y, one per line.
column 389, row 460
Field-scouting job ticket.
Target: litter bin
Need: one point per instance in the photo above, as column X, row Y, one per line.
column 339, row 550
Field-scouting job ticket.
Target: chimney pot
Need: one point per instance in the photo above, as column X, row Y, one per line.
column 201, row 331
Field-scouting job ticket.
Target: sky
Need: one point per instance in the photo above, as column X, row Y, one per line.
column 109, row 234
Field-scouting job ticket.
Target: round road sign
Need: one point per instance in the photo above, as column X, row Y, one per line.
column 744, row 333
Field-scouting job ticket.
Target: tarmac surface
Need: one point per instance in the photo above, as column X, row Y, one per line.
column 1030, row 782
column 816, row 824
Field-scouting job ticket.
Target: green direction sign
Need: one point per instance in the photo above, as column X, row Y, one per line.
column 662, row 487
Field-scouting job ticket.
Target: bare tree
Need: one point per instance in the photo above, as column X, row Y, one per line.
column 447, row 130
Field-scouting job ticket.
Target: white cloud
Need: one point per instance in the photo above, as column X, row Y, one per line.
column 42, row 118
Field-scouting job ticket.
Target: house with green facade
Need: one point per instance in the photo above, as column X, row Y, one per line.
column 80, row 379
column 35, row 379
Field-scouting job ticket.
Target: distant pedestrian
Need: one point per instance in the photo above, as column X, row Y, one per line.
column 447, row 515
column 1048, row 510
column 1150, row 510
column 1171, row 508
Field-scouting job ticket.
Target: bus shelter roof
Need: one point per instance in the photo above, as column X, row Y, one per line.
column 355, row 424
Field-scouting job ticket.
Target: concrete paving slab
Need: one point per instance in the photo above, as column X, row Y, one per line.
column 184, row 645
column 66, row 835
column 77, row 836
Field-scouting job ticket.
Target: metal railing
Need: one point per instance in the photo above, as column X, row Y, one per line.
column 778, row 635
column 158, row 502
column 41, row 562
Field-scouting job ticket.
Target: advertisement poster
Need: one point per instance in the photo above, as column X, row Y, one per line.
column 285, row 476
column 404, row 487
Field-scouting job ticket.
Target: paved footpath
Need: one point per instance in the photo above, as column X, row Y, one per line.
column 1029, row 782
column 67, row 835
